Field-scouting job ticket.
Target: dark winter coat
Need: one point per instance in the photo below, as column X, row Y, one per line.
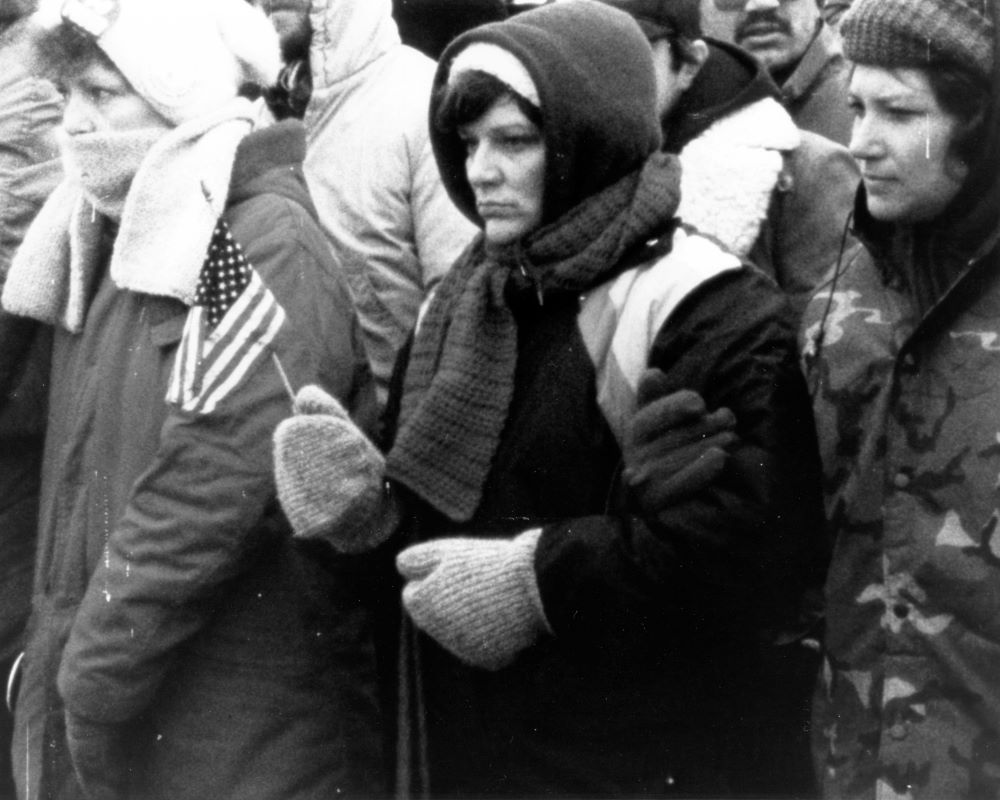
column 648, row 687
column 815, row 94
column 169, row 596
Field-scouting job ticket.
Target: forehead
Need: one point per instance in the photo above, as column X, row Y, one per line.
column 98, row 72
column 503, row 112
column 882, row 83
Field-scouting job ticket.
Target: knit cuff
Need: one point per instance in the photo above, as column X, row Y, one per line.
column 524, row 563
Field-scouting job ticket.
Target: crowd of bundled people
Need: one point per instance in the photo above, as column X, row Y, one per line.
column 586, row 398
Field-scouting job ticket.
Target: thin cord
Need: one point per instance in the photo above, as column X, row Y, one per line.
column 818, row 340
column 284, row 377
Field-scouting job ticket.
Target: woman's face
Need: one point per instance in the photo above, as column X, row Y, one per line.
column 902, row 142
column 505, row 166
column 100, row 100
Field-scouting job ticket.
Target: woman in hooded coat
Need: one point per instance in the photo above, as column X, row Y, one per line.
column 901, row 353
column 562, row 642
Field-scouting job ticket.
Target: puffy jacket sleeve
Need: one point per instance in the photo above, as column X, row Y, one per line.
column 198, row 516
column 739, row 552
column 808, row 217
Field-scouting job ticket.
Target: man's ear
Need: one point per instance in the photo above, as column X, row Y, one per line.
column 694, row 60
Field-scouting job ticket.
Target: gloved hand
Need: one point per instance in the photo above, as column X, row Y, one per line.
column 330, row 477
column 478, row 598
column 673, row 447
column 99, row 756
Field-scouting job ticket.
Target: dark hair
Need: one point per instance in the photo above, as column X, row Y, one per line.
column 290, row 95
column 966, row 96
column 65, row 50
column 470, row 96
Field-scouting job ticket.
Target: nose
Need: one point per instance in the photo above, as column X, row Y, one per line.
column 866, row 142
column 481, row 165
column 77, row 116
column 761, row 5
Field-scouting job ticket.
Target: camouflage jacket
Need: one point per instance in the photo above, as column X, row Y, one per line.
column 908, row 414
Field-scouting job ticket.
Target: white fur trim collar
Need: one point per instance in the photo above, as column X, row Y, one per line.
column 729, row 173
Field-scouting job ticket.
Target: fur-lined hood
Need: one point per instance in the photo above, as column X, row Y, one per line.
column 730, row 171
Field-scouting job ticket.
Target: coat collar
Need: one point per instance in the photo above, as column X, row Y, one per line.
column 824, row 50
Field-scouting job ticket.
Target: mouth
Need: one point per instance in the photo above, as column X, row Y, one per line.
column 876, row 184
column 762, row 29
column 494, row 209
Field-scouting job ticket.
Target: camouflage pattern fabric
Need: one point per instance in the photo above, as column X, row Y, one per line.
column 908, row 415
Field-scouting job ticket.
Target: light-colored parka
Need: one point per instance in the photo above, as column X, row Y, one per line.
column 370, row 170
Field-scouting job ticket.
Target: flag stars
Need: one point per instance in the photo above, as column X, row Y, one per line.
column 224, row 275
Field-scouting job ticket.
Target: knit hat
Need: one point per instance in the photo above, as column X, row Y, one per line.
column 661, row 18
column 186, row 58
column 914, row 33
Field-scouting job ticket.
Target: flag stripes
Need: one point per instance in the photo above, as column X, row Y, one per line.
column 235, row 321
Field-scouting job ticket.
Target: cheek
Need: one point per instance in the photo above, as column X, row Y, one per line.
column 719, row 24
column 536, row 181
column 940, row 165
column 941, row 184
column 133, row 113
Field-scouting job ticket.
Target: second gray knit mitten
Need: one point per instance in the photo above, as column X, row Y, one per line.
column 478, row 598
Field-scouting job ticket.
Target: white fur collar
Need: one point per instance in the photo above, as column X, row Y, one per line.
column 169, row 215
column 729, row 173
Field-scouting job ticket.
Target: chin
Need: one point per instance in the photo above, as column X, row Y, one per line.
column 902, row 214
column 503, row 233
column 885, row 209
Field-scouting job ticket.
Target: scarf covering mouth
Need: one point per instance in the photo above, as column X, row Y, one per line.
column 105, row 164
column 459, row 381
column 169, row 212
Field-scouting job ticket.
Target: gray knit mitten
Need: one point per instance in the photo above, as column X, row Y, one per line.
column 330, row 477
column 478, row 598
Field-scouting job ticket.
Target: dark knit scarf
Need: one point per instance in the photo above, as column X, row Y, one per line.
column 460, row 377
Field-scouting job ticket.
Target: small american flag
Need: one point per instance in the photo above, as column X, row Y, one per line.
column 234, row 320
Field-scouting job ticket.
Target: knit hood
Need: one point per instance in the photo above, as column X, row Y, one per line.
column 592, row 68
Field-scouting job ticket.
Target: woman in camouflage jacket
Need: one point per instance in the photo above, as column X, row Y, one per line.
column 901, row 352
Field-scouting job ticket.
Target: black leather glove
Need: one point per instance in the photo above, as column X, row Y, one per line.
column 673, row 446
column 99, row 756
